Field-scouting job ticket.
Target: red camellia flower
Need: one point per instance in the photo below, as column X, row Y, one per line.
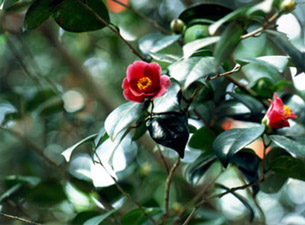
column 278, row 114
column 144, row 81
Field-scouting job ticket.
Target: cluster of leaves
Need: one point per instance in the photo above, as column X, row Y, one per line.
column 201, row 62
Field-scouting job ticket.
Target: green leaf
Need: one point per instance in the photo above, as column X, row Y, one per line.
column 202, row 139
column 169, row 102
column 10, row 192
column 78, row 199
column 122, row 117
column 101, row 138
column 276, row 63
column 231, row 141
column 289, row 167
column 289, row 145
column 212, row 10
column 273, row 183
column 281, row 41
column 98, row 219
column 190, row 48
column 197, row 169
column 39, row 12
column 72, row 16
column 193, row 69
column 228, row 41
column 170, row 130
column 68, row 152
column 136, row 217
column 167, row 58
column 46, row 193
column 255, row 106
column 156, row 42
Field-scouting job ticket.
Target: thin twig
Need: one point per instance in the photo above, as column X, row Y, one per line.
column 167, row 189
column 231, row 190
column 19, row 219
column 261, row 29
column 115, row 31
column 208, row 78
column 125, row 193
column 163, row 159
column 148, row 20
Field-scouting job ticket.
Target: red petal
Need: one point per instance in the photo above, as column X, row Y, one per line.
column 129, row 96
column 135, row 71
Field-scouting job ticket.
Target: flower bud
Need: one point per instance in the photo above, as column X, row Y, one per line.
column 287, row 6
column 177, row 26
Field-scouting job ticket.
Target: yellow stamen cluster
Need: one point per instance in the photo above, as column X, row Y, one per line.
column 287, row 110
column 144, row 83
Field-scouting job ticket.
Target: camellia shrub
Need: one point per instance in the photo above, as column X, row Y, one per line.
column 210, row 116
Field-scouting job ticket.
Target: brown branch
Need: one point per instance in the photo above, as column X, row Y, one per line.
column 19, row 219
column 148, row 20
column 115, row 31
column 167, row 189
column 163, row 159
column 128, row 196
column 261, row 29
column 231, row 190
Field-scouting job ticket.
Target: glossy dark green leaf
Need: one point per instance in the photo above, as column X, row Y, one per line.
column 39, row 12
column 202, row 139
column 156, row 42
column 255, row 106
column 242, row 199
column 248, row 163
column 83, row 217
column 170, row 130
column 98, row 219
column 197, row 169
column 193, row 69
column 228, row 41
column 72, row 16
column 136, row 217
column 289, row 145
column 282, row 42
column 272, row 183
column 190, row 48
column 289, row 167
column 208, row 9
column 68, row 152
column 122, row 117
column 230, row 142
column 11, row 191
column 8, row 3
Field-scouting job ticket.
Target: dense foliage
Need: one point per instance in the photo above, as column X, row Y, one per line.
column 152, row 112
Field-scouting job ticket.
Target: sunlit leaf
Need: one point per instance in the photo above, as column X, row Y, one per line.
column 68, row 152
column 156, row 42
column 289, row 145
column 231, row 141
column 98, row 219
column 190, row 48
column 167, row 58
column 282, row 42
column 122, row 117
column 170, row 130
column 72, row 16
column 193, row 69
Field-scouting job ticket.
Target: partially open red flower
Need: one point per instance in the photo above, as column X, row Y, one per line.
column 144, row 81
column 278, row 114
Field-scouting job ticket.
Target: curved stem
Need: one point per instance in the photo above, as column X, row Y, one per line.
column 108, row 25
column 19, row 219
column 167, row 189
